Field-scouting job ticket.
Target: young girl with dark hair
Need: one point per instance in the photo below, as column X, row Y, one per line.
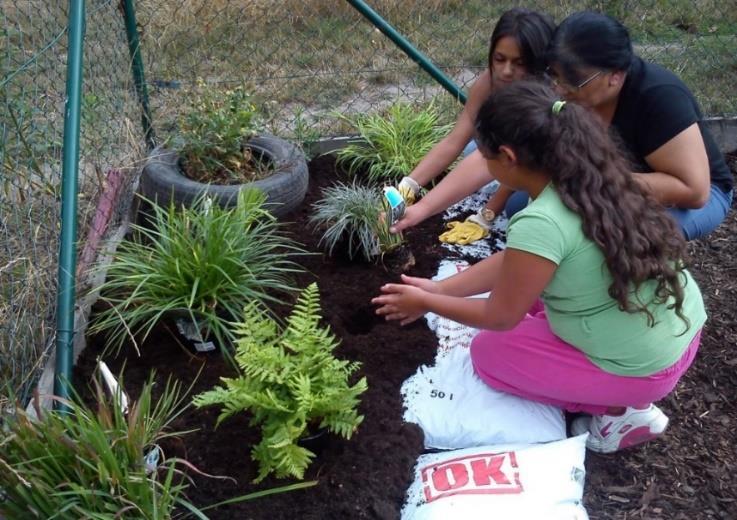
column 591, row 306
column 516, row 50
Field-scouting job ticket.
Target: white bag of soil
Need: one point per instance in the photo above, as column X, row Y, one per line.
column 537, row 482
column 455, row 409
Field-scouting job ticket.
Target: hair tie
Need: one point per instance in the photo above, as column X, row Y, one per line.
column 558, row 106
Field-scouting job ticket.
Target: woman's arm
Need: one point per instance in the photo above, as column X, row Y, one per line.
column 499, row 199
column 449, row 148
column 521, row 279
column 681, row 175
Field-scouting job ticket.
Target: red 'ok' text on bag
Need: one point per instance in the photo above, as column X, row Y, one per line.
column 488, row 473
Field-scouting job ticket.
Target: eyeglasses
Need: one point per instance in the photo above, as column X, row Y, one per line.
column 568, row 87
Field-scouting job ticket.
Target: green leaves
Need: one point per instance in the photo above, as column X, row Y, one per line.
column 290, row 381
column 212, row 131
column 204, row 262
column 392, row 144
column 351, row 215
column 90, row 463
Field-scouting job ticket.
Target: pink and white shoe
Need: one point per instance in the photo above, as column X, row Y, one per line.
column 610, row 433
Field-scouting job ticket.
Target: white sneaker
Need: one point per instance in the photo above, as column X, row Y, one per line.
column 609, row 433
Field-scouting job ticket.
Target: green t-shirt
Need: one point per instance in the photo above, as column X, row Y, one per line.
column 577, row 302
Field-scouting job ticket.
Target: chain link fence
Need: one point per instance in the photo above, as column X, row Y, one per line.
column 33, row 39
column 308, row 59
column 305, row 60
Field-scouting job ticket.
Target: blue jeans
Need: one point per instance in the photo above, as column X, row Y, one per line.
column 470, row 147
column 694, row 223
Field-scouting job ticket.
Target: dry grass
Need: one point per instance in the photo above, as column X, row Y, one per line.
column 312, row 58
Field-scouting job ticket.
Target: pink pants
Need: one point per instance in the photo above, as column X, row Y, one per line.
column 532, row 362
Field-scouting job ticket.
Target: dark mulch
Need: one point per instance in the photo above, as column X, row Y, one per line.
column 685, row 475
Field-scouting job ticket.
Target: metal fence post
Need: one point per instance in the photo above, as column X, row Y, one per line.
column 139, row 78
column 70, row 172
column 401, row 42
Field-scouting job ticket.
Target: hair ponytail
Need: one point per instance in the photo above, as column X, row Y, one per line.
column 638, row 238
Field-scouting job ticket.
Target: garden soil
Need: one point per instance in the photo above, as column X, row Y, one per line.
column 686, row 475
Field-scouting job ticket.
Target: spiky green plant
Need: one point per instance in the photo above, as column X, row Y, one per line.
column 289, row 381
column 392, row 144
column 354, row 214
column 204, row 262
column 90, row 463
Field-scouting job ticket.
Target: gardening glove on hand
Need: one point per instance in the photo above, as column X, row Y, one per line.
column 472, row 229
column 409, row 189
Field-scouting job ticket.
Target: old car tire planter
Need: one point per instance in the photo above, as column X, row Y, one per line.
column 162, row 179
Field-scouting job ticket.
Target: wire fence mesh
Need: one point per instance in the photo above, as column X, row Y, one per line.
column 308, row 59
column 305, row 60
column 33, row 39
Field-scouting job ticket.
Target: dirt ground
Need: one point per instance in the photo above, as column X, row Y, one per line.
column 686, row 475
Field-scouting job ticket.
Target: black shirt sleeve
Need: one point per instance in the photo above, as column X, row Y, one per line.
column 667, row 111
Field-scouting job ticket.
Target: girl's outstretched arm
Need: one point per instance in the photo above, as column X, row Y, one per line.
column 521, row 279
column 470, row 174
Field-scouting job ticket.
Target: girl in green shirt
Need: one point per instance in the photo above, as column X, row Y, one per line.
column 591, row 307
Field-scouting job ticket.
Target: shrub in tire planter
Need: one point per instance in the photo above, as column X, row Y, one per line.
column 218, row 150
column 162, row 178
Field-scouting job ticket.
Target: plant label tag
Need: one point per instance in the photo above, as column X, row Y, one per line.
column 188, row 329
column 396, row 203
column 207, row 346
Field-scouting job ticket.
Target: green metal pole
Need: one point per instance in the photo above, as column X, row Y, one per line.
column 408, row 49
column 69, row 183
column 139, row 78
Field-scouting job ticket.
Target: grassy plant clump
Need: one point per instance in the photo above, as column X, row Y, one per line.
column 212, row 133
column 393, row 143
column 352, row 215
column 290, row 381
column 204, row 262
column 91, row 463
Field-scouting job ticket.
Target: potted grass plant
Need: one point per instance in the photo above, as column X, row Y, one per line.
column 203, row 262
column 352, row 220
column 219, row 149
column 290, row 383
column 391, row 144
column 92, row 463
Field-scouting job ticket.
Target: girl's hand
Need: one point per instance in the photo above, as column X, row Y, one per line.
column 404, row 302
column 413, row 215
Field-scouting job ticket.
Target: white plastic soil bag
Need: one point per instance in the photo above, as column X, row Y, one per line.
column 537, row 482
column 455, row 409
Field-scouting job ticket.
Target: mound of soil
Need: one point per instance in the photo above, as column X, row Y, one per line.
column 686, row 475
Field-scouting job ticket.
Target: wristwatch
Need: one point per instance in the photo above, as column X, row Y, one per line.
column 488, row 214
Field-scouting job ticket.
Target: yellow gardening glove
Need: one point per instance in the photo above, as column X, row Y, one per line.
column 409, row 189
column 463, row 233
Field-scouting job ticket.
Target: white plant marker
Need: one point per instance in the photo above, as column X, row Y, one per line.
column 113, row 387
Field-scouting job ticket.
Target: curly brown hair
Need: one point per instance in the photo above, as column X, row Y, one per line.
column 639, row 240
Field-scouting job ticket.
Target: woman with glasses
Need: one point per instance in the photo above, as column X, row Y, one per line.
column 516, row 51
column 652, row 114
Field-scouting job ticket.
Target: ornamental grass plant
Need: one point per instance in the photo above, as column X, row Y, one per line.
column 393, row 143
column 203, row 263
column 353, row 216
column 290, row 383
column 91, row 463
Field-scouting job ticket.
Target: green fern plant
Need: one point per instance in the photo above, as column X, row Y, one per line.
column 290, row 382
column 354, row 214
column 392, row 144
